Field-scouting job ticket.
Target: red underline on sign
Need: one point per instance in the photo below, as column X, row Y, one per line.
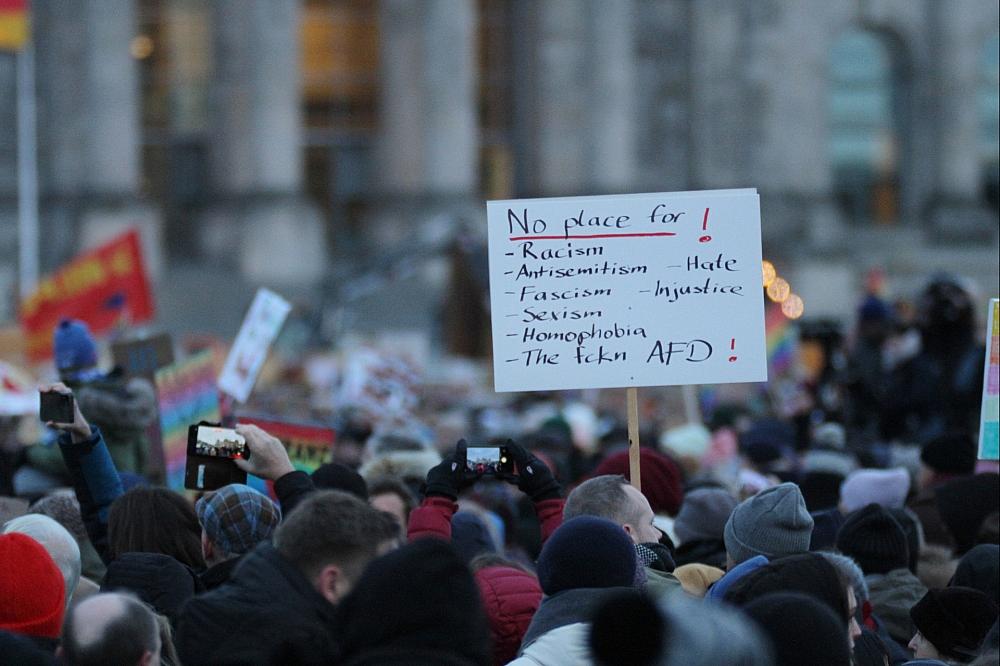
column 585, row 236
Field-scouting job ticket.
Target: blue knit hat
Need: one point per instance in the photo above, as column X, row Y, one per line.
column 73, row 346
column 586, row 552
column 236, row 517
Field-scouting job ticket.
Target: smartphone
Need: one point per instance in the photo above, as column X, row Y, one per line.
column 55, row 407
column 488, row 460
column 211, row 455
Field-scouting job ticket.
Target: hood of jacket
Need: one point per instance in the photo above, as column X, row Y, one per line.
column 892, row 595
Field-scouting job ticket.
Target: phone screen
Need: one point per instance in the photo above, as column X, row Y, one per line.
column 217, row 442
column 486, row 460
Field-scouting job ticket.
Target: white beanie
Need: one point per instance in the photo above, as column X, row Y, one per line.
column 886, row 487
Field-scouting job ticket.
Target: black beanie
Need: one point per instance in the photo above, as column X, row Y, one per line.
column 807, row 573
column 875, row 540
column 911, row 528
column 955, row 620
column 802, row 630
column 587, row 551
column 953, row 453
column 334, row 476
column 980, row 569
column 964, row 504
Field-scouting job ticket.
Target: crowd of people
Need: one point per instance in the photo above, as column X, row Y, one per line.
column 863, row 535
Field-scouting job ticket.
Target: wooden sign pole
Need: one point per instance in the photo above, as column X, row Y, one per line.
column 632, row 402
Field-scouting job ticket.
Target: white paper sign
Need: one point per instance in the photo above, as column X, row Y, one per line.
column 630, row 290
column 260, row 327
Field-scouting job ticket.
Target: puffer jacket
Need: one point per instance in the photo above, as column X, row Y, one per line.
column 511, row 597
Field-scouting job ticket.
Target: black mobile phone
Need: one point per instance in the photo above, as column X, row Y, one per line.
column 211, row 454
column 488, row 460
column 55, row 407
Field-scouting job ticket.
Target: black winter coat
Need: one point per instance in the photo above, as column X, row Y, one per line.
column 268, row 613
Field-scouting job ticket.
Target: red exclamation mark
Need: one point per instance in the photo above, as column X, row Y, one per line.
column 704, row 227
column 732, row 348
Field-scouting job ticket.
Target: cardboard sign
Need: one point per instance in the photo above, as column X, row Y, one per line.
column 631, row 290
column 103, row 287
column 989, row 425
column 260, row 327
column 187, row 394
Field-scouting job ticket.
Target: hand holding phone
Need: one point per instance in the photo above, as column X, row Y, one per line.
column 58, row 409
column 211, row 457
column 489, row 461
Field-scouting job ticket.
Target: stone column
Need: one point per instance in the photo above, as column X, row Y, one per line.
column 256, row 146
column 89, row 128
column 576, row 99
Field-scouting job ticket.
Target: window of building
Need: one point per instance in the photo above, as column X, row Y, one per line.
column 864, row 130
column 988, row 104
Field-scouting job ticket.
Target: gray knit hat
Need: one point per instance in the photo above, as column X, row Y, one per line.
column 703, row 514
column 773, row 523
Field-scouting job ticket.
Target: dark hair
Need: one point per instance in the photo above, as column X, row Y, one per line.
column 602, row 496
column 155, row 520
column 386, row 485
column 123, row 641
column 330, row 527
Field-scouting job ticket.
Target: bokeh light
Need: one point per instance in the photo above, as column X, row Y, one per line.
column 141, row 47
column 793, row 307
column 779, row 290
column 769, row 273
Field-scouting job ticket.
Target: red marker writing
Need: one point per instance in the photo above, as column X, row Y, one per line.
column 704, row 227
column 732, row 347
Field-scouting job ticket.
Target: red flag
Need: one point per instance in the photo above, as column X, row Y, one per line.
column 102, row 287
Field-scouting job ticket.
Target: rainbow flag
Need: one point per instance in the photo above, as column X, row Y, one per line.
column 13, row 24
column 782, row 338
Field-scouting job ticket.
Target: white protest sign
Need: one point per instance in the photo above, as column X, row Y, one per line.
column 630, row 290
column 260, row 327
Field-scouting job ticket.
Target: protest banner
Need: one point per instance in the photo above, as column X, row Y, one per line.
column 308, row 445
column 989, row 424
column 260, row 327
column 383, row 383
column 626, row 291
column 103, row 287
column 18, row 391
column 142, row 357
column 187, row 394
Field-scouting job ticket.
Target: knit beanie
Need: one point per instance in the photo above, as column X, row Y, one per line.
column 73, row 346
column 586, row 552
column 952, row 453
column 954, row 619
column 662, row 483
column 236, row 517
column 334, row 476
column 774, row 522
column 875, row 540
column 703, row 514
column 914, row 534
column 32, row 591
column 802, row 630
column 980, row 569
column 887, row 487
column 807, row 573
column 964, row 504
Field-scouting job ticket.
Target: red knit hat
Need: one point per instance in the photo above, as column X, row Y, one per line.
column 32, row 591
column 661, row 478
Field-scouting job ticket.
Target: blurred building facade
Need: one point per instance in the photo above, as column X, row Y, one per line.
column 284, row 140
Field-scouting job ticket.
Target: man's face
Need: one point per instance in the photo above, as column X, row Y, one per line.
column 923, row 648
column 640, row 527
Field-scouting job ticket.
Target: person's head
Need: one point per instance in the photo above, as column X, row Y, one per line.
column 234, row 519
column 802, row 629
column 773, row 523
column 155, row 520
column 110, row 628
column 610, row 496
column 336, row 476
column 32, row 590
column 886, row 487
column 329, row 538
column 391, row 495
column 586, row 552
column 949, row 455
column 59, row 543
column 951, row 623
column 980, row 569
column 703, row 515
column 875, row 540
column 808, row 573
column 73, row 348
column 662, row 481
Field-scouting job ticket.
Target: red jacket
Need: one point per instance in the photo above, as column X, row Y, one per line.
column 510, row 597
column 433, row 518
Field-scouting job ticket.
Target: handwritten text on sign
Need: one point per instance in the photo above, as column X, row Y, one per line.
column 631, row 290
